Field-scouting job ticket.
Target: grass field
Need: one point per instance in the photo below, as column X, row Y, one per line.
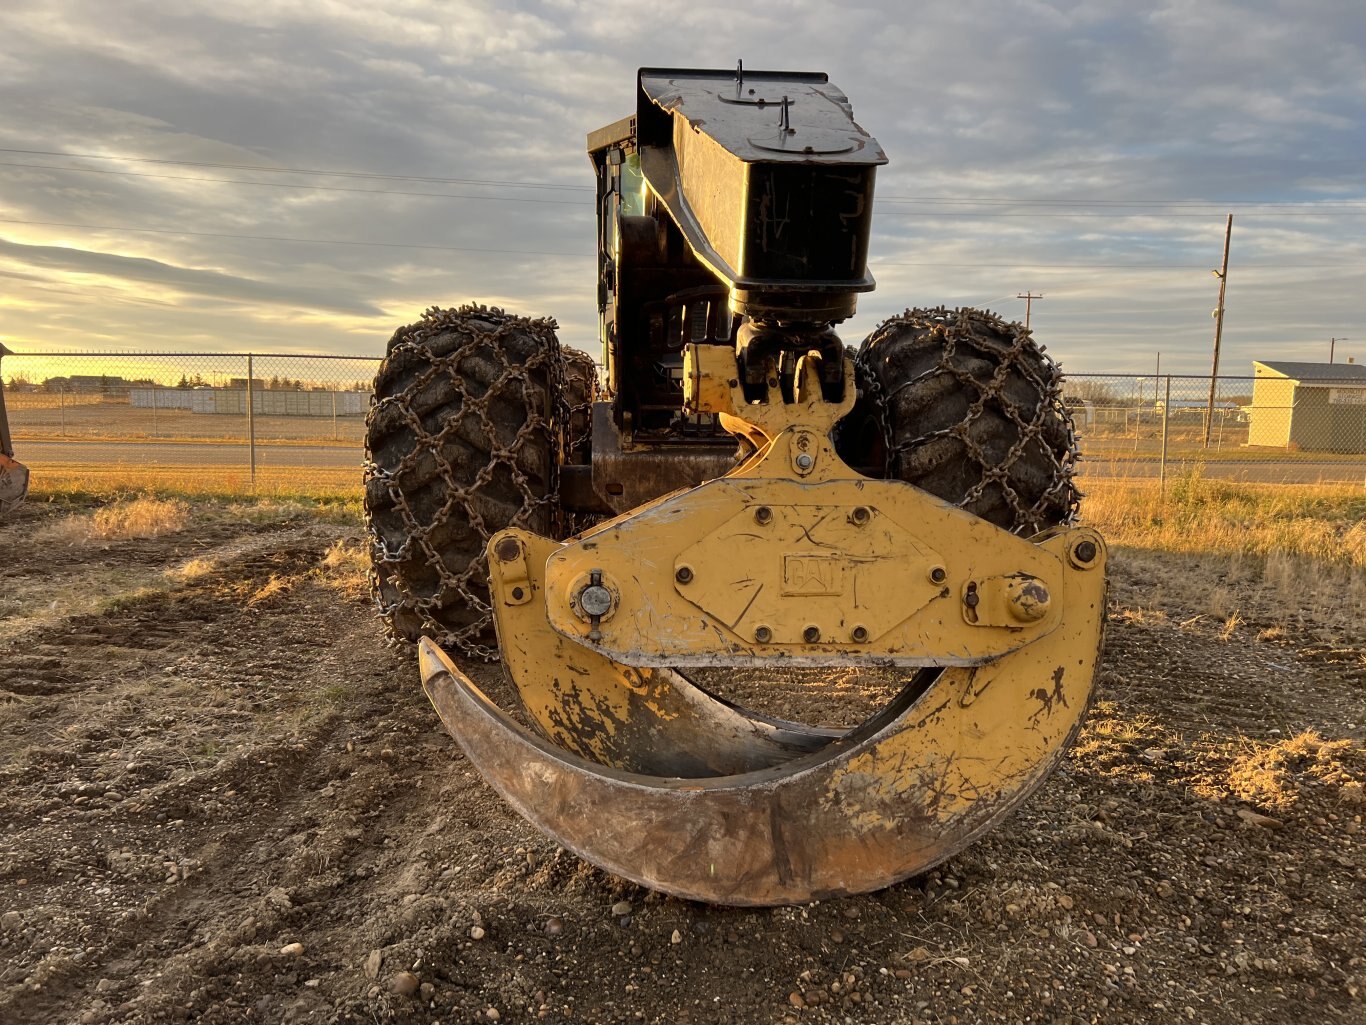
column 62, row 482
column 1325, row 523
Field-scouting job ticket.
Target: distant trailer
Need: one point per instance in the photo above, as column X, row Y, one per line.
column 161, row 398
column 265, row 402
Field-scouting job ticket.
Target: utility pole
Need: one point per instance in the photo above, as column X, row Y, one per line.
column 1029, row 298
column 1222, row 275
column 1333, row 344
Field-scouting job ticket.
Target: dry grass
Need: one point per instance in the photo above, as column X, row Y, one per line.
column 142, row 517
column 138, row 517
column 1230, row 627
column 85, row 480
column 1234, row 555
column 272, row 588
column 1272, row 776
column 277, row 498
column 1325, row 523
column 345, row 568
column 36, row 603
column 286, row 509
column 190, row 571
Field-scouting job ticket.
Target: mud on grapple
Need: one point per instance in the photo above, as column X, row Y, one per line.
column 738, row 493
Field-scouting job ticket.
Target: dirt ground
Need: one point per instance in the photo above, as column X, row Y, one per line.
column 223, row 799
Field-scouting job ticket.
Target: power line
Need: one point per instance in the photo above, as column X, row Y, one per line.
column 924, row 215
column 299, row 185
column 1214, row 205
column 535, row 252
column 301, row 170
column 1115, row 215
column 1201, row 204
column 282, row 238
column 873, row 261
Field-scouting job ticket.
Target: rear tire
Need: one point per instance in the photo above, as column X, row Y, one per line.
column 581, row 391
column 463, row 439
column 967, row 407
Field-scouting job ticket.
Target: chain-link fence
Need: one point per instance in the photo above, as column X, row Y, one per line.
column 1268, row 428
column 228, row 420
column 240, row 420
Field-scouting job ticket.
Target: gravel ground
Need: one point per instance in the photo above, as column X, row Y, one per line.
column 223, row 799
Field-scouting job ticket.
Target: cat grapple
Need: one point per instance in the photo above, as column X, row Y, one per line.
column 13, row 474
column 739, row 495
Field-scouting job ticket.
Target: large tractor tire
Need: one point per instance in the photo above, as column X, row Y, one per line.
column 581, row 391
column 968, row 407
column 464, row 438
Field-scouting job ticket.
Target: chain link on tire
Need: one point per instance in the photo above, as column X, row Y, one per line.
column 968, row 407
column 472, row 415
column 581, row 391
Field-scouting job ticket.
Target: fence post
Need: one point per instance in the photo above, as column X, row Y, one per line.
column 334, row 416
column 1166, row 418
column 61, row 408
column 156, row 431
column 251, row 420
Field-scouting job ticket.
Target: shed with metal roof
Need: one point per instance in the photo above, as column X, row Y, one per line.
column 1310, row 407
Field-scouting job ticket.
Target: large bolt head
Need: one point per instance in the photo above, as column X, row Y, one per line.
column 595, row 600
column 1029, row 599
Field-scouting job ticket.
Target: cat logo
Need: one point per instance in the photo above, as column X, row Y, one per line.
column 812, row 574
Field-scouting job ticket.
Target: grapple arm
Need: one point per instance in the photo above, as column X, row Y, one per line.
column 792, row 558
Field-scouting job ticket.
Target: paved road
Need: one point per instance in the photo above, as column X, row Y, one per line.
column 345, row 457
column 142, row 453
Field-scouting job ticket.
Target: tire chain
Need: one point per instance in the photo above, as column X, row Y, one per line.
column 581, row 391
column 581, row 379
column 458, row 502
column 957, row 326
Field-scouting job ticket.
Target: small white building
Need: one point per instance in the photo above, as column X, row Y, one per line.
column 1311, row 407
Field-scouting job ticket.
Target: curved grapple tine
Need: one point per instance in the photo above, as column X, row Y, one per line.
column 912, row 787
column 650, row 721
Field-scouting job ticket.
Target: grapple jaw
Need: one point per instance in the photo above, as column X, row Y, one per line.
column 13, row 475
column 13, row 484
column 791, row 559
column 950, row 757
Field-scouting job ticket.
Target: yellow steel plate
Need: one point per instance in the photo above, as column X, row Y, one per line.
column 793, row 568
column 809, row 569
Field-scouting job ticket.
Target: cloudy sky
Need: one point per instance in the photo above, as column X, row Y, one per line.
column 305, row 175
